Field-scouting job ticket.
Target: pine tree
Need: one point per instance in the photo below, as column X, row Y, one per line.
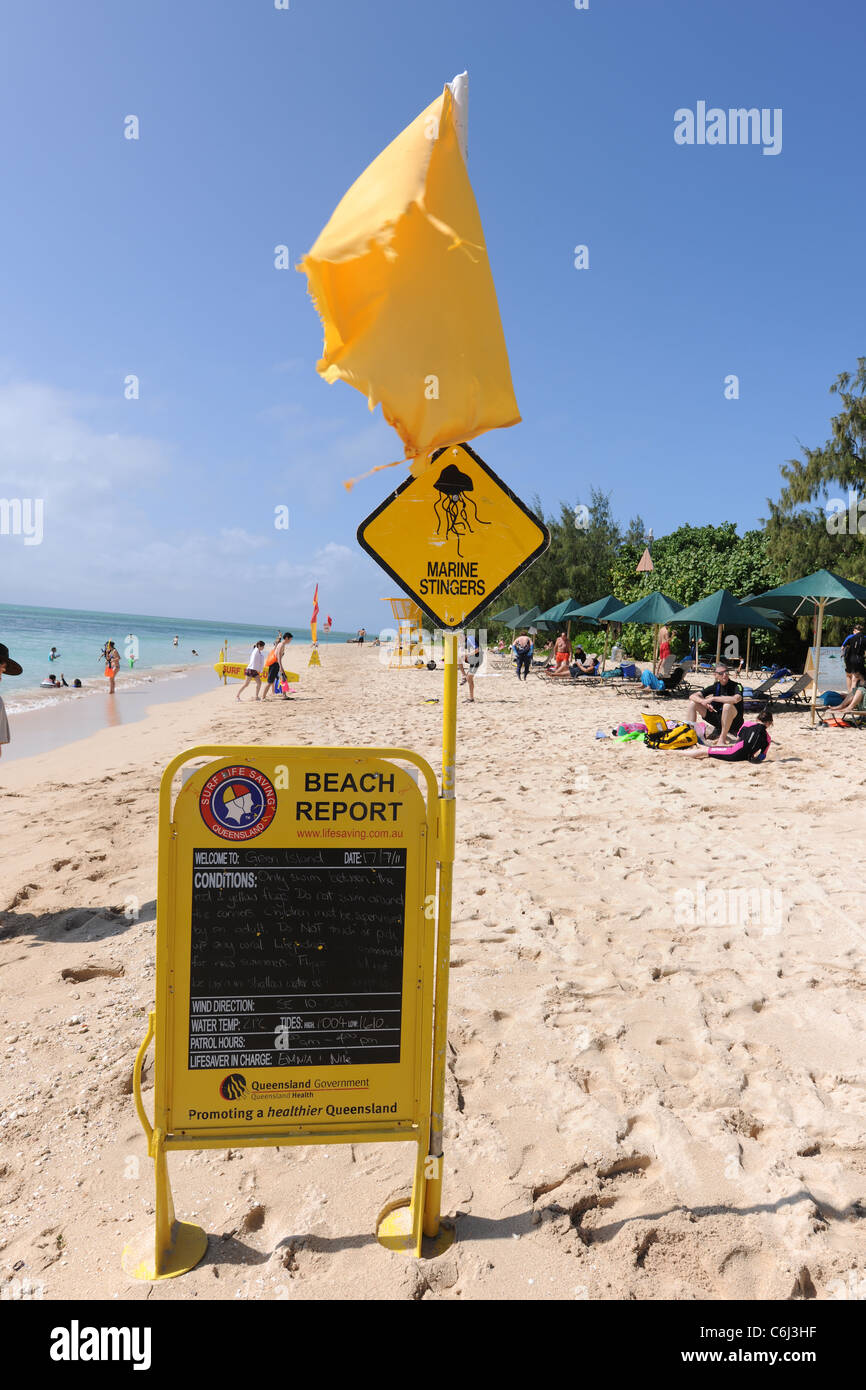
column 802, row 537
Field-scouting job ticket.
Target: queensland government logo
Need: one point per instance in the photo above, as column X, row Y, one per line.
column 238, row 803
column 232, row 1087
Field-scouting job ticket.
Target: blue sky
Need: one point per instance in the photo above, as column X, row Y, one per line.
column 156, row 257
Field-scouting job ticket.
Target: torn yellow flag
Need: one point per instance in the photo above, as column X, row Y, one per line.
column 402, row 283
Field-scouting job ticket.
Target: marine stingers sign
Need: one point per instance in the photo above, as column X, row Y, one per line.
column 454, row 537
column 294, row 959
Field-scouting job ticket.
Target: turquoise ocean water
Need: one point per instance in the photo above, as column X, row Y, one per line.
column 79, row 637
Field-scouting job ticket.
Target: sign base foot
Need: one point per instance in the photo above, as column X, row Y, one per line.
column 188, row 1245
column 394, row 1230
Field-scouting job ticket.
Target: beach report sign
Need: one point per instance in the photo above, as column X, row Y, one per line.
column 454, row 537
column 294, row 957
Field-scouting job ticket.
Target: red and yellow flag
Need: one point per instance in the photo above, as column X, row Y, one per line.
column 315, row 613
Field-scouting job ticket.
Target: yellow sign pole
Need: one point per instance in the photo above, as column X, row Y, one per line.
column 447, row 819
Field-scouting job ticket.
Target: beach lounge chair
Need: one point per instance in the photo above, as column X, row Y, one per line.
column 759, row 690
column 849, row 718
column 853, row 718
column 574, row 678
column 673, row 686
column 778, row 673
column 792, row 696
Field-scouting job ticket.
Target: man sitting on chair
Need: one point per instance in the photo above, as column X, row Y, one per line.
column 720, row 705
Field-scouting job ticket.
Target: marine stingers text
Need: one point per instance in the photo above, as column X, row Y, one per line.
column 452, row 577
column 339, row 782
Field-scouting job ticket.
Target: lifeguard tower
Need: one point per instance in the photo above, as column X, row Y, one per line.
column 411, row 647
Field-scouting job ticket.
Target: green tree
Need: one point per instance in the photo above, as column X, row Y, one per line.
column 689, row 564
column 577, row 564
column 802, row 537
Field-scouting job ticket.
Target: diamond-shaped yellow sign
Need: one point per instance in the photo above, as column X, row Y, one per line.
column 453, row 538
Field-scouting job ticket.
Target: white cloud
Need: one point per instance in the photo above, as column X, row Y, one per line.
column 47, row 448
column 115, row 536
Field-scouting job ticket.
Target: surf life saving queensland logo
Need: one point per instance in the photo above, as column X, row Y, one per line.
column 238, row 803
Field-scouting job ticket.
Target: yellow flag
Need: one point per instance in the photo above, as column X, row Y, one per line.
column 402, row 282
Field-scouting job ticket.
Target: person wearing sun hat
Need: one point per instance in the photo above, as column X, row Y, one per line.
column 8, row 667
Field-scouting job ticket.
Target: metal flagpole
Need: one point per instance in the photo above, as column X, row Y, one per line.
column 447, row 814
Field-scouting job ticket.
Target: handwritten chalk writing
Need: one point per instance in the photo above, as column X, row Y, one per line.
column 314, row 940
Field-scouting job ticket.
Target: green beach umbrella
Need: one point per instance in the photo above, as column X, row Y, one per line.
column 531, row 618
column 720, row 610
column 772, row 613
column 813, row 596
column 559, row 612
column 839, row 597
column 506, row 615
column 525, row 618
column 653, row 609
column 597, row 612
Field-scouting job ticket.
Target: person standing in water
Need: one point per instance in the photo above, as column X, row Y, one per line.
column 112, row 664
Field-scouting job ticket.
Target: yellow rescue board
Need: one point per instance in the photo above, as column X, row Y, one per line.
column 236, row 671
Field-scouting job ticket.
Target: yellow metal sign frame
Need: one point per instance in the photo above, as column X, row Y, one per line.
column 174, row 1247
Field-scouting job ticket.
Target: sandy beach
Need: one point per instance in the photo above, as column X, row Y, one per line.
column 657, row 1056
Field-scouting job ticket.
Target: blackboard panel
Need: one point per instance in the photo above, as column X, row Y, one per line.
column 296, row 957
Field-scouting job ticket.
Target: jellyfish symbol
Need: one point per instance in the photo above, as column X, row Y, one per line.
column 450, row 506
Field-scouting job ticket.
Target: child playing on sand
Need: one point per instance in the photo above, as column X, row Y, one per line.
column 751, row 745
